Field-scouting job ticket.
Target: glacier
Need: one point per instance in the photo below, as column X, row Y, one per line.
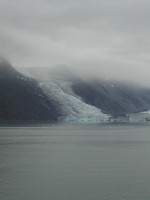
column 73, row 109
column 133, row 117
column 71, row 106
column 140, row 117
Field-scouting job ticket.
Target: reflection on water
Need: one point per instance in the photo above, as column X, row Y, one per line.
column 88, row 162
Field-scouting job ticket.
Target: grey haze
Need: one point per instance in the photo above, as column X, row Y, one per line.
column 109, row 36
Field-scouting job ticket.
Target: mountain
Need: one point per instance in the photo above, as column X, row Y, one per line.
column 59, row 94
column 57, row 84
column 82, row 99
column 21, row 98
column 112, row 97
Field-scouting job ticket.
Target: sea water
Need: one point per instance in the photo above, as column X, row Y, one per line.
column 88, row 162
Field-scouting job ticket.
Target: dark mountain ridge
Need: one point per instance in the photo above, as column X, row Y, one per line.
column 115, row 98
column 21, row 98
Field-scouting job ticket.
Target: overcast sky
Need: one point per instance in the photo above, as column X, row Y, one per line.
column 109, row 36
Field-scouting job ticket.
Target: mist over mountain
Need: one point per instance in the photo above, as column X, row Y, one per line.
column 62, row 72
column 106, row 38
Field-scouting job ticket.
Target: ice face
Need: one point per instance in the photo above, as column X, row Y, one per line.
column 72, row 107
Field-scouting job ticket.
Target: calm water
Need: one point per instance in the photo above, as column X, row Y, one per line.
column 107, row 162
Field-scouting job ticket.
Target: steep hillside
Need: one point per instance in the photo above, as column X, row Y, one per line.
column 113, row 97
column 21, row 98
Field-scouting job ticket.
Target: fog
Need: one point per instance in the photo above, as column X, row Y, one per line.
column 109, row 37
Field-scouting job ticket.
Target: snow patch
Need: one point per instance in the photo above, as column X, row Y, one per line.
column 19, row 77
column 112, row 86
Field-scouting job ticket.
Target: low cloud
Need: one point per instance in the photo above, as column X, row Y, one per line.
column 102, row 37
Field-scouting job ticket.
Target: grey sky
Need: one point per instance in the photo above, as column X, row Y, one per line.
column 104, row 35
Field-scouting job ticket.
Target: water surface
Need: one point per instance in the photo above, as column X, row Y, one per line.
column 90, row 162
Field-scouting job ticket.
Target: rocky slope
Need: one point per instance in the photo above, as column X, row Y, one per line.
column 113, row 97
column 21, row 98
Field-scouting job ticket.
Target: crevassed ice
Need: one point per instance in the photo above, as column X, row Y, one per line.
column 140, row 117
column 71, row 106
